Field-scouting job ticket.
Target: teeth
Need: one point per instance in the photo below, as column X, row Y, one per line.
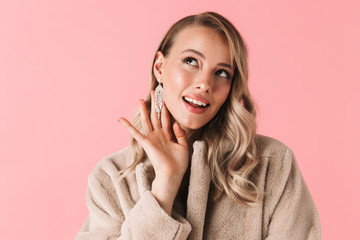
column 195, row 101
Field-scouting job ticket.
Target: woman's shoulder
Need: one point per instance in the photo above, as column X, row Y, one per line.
column 273, row 153
column 268, row 146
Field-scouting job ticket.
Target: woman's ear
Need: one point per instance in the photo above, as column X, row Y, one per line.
column 159, row 65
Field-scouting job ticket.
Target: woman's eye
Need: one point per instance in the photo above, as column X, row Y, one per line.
column 223, row 73
column 191, row 61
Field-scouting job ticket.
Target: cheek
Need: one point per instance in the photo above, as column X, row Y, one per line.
column 223, row 93
column 177, row 79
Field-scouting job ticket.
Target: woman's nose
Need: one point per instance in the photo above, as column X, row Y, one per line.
column 204, row 82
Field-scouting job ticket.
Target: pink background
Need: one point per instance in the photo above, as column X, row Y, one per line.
column 69, row 68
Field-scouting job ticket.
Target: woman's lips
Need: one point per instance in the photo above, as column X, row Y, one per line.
column 195, row 108
column 198, row 98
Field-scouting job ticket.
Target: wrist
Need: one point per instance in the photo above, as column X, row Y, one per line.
column 164, row 190
column 166, row 187
column 168, row 181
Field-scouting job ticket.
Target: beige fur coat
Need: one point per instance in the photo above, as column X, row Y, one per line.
column 126, row 209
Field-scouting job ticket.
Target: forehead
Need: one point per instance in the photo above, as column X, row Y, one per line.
column 204, row 39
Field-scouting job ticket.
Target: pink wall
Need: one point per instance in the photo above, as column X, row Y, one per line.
column 69, row 68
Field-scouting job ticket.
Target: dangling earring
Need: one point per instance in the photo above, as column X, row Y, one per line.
column 159, row 98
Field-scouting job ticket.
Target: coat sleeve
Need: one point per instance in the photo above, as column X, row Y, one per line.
column 293, row 212
column 114, row 215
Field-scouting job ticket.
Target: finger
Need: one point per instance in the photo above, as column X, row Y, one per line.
column 132, row 130
column 154, row 115
column 180, row 135
column 165, row 121
column 145, row 121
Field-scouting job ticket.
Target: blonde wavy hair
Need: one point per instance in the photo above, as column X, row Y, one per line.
column 230, row 135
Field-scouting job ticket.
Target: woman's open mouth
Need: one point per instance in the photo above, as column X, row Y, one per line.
column 195, row 106
column 195, row 103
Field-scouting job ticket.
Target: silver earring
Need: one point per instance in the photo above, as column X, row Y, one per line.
column 159, row 98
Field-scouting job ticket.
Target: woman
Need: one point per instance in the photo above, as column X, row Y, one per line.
column 196, row 168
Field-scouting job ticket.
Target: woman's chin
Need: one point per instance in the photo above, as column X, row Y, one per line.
column 190, row 129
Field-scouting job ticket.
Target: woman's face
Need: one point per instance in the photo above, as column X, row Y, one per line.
column 196, row 76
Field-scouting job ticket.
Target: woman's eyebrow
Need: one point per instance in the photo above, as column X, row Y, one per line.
column 203, row 56
column 194, row 51
column 225, row 65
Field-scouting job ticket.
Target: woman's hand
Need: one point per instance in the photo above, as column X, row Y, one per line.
column 169, row 158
